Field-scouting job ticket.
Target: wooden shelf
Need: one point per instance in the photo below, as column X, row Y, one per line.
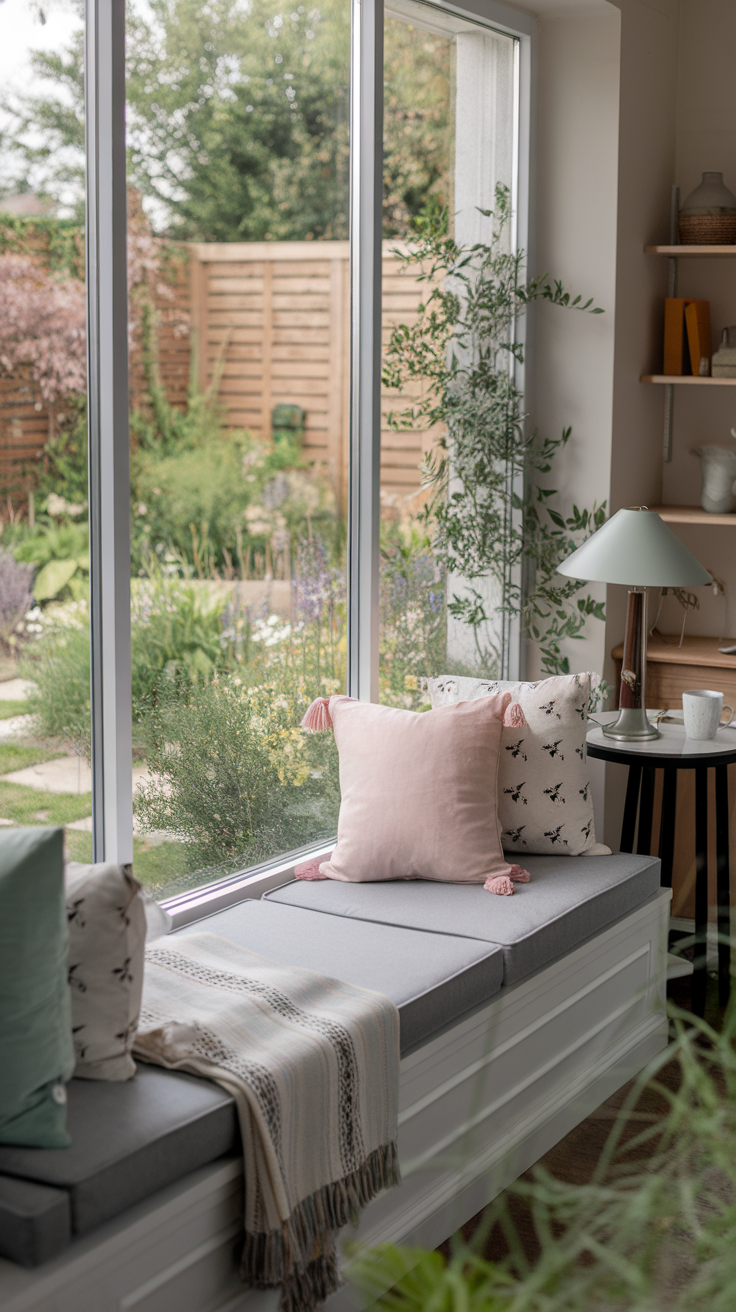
column 692, row 515
column 697, row 251
column 694, row 651
column 688, row 380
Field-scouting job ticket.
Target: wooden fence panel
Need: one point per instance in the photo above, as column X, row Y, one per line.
column 273, row 319
column 271, row 322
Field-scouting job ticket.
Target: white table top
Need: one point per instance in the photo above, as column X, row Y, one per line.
column 672, row 741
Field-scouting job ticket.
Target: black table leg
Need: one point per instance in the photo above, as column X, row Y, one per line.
column 646, row 809
column 667, row 826
column 723, row 884
column 628, row 827
column 700, row 954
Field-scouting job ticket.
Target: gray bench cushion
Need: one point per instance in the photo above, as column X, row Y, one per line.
column 432, row 978
column 35, row 1221
column 567, row 900
column 129, row 1140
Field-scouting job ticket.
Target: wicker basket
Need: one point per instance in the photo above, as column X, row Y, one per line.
column 708, row 229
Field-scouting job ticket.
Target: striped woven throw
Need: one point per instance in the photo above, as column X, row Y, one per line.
column 312, row 1064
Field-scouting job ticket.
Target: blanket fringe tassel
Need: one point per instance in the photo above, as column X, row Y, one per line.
column 300, row 1257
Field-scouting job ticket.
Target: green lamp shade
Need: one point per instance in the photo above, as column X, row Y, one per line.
column 636, row 548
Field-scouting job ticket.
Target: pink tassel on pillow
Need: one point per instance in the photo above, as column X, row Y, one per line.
column 317, row 716
column 519, row 875
column 513, row 716
column 310, row 869
column 500, row 884
column 503, row 884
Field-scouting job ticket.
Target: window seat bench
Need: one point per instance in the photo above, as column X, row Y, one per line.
column 519, row 1015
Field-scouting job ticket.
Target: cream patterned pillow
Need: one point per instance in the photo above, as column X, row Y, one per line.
column 106, row 911
column 544, row 799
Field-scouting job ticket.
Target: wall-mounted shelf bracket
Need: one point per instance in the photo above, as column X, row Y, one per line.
column 669, row 391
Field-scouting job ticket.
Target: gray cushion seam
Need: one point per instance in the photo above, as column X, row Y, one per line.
column 393, row 924
column 646, row 862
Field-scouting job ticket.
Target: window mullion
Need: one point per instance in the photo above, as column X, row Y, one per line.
column 109, row 474
column 366, row 185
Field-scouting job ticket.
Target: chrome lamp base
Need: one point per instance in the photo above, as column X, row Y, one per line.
column 632, row 725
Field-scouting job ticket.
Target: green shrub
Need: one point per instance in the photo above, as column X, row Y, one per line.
column 57, row 663
column 176, row 632
column 176, row 637
column 190, row 504
column 213, row 503
column 233, row 776
column 60, row 554
column 61, row 468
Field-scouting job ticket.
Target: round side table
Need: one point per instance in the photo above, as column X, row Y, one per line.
column 670, row 753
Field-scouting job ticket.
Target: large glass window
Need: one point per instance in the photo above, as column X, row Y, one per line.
column 238, row 202
column 244, row 384
column 45, row 775
column 450, row 89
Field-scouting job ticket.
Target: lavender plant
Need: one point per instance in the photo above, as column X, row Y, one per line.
column 16, row 595
column 412, row 615
column 319, row 595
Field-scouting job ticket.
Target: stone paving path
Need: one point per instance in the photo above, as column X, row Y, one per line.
column 14, row 690
column 63, row 774
column 16, row 726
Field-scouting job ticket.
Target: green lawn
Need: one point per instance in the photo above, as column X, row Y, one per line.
column 156, row 867
column 7, row 709
column 28, row 806
column 16, row 756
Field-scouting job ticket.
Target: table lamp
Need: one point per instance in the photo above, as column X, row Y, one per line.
column 635, row 547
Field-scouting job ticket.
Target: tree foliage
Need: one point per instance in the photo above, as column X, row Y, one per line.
column 238, row 120
column 489, row 511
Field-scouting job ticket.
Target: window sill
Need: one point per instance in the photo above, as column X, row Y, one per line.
column 198, row 903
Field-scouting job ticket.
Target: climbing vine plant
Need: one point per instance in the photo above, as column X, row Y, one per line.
column 488, row 514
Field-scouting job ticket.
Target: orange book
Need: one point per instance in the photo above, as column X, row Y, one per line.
column 675, row 361
column 697, row 322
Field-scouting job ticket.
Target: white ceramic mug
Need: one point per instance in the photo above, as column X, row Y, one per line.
column 701, row 710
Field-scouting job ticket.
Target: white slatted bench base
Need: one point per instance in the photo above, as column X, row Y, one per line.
column 479, row 1103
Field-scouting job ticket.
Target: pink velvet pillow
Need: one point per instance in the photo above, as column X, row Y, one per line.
column 419, row 793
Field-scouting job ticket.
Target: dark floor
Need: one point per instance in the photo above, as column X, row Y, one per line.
column 575, row 1157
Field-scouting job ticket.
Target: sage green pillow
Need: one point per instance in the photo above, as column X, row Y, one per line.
column 35, row 1010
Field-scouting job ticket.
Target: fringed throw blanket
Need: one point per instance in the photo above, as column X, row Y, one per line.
column 312, row 1064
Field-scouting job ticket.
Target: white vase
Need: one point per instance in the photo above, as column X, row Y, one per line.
column 718, row 467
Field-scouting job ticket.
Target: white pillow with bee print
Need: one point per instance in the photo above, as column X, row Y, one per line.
column 108, row 922
column 544, row 799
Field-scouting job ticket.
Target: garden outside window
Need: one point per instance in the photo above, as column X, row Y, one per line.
column 255, row 525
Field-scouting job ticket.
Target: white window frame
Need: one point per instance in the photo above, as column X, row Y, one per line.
column 109, row 477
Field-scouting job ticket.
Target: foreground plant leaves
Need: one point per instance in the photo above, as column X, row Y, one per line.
column 657, row 1236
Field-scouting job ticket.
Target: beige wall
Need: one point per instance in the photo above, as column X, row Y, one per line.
column 576, row 201
column 606, row 151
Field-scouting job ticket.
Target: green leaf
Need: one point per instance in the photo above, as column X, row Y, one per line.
column 52, row 578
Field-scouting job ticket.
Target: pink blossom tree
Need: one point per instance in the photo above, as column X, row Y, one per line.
column 42, row 327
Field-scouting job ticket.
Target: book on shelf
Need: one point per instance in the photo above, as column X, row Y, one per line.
column 697, row 322
column 687, row 338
